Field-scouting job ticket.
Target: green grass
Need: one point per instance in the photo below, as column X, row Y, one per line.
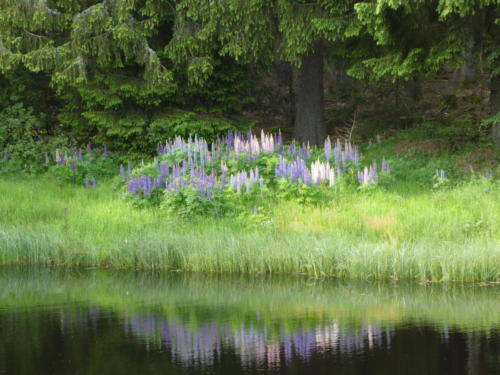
column 406, row 232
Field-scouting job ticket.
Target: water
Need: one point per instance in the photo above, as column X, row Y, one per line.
column 95, row 322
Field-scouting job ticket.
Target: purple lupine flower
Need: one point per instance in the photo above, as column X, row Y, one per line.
column 87, row 182
column 105, row 151
column 89, row 148
column 164, row 169
column 73, row 165
column 488, row 175
column 47, row 158
column 94, row 183
column 360, row 178
column 385, row 166
column 328, row 149
column 374, row 168
column 368, row 175
column 441, row 174
column 305, row 152
column 62, row 160
column 122, row 172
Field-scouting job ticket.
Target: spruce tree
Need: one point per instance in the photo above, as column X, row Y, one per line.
column 108, row 62
column 422, row 36
column 74, row 39
column 301, row 33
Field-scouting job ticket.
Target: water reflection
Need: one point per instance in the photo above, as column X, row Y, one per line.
column 255, row 347
column 128, row 323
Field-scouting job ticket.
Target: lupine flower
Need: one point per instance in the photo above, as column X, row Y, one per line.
column 488, row 175
column 62, row 159
column 441, row 174
column 345, row 153
column 73, row 165
column 328, row 149
column 105, row 151
column 89, row 148
column 191, row 171
column 244, row 178
column 385, row 166
column 94, row 183
column 47, row 158
column 87, row 182
column 122, row 172
column 322, row 171
column 293, row 171
column 368, row 175
column 374, row 168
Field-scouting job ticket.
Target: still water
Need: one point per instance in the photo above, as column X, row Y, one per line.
column 95, row 322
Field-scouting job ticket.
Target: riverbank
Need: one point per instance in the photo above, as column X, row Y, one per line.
column 449, row 234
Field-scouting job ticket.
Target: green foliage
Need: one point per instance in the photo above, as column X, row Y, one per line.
column 300, row 193
column 189, row 204
column 23, row 137
column 118, row 86
column 251, row 30
column 186, row 124
column 76, row 171
column 125, row 111
column 405, row 48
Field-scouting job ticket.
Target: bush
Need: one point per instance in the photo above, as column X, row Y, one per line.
column 23, row 138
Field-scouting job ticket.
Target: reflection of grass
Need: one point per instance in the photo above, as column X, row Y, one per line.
column 447, row 235
column 289, row 302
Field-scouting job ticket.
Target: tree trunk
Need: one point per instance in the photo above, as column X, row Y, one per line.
column 469, row 70
column 495, row 108
column 309, row 103
column 416, row 92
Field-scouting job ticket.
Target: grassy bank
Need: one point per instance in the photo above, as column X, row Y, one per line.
column 449, row 234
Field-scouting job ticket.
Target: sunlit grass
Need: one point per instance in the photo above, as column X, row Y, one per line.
column 405, row 233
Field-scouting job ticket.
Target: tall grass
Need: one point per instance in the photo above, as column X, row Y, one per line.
column 405, row 233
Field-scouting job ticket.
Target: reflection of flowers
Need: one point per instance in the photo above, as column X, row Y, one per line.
column 254, row 346
column 203, row 345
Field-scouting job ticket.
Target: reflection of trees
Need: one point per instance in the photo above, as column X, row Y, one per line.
column 473, row 351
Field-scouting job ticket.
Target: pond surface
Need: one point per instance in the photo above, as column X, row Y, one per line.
column 96, row 322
